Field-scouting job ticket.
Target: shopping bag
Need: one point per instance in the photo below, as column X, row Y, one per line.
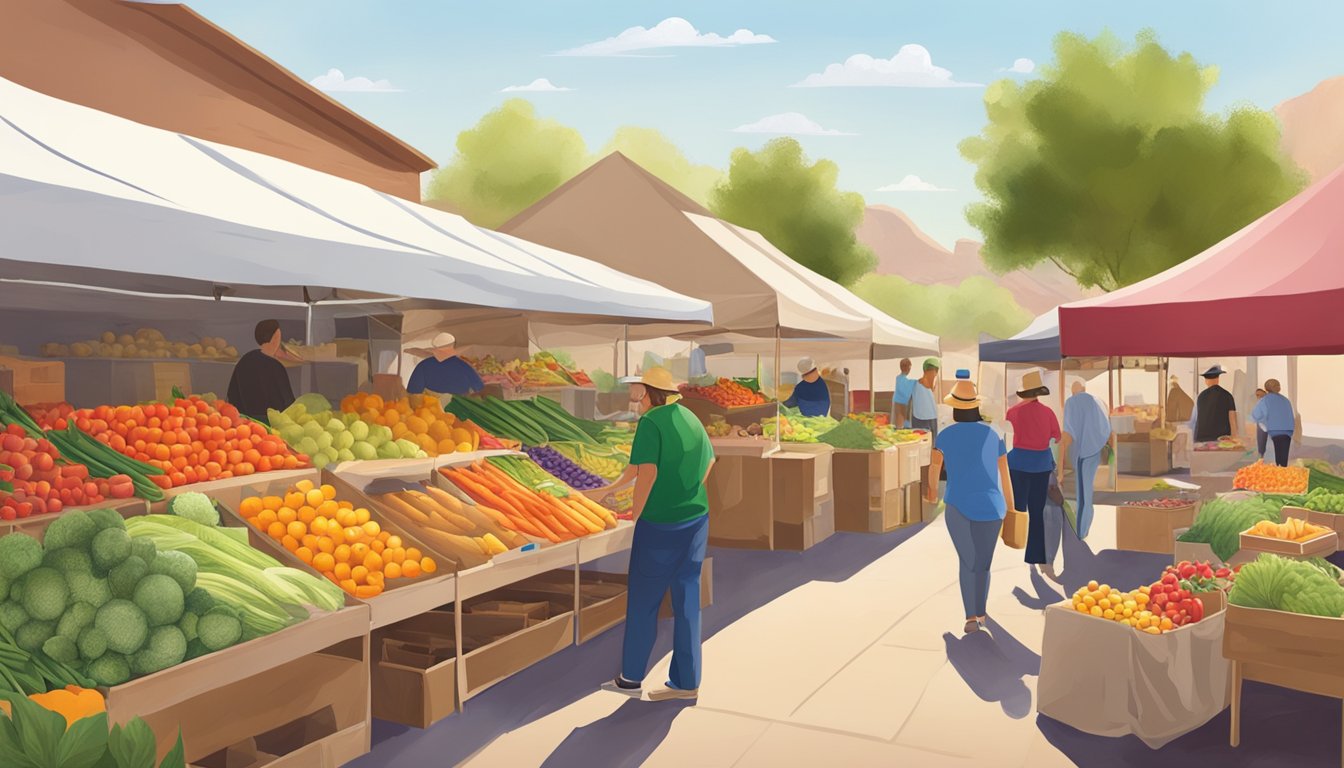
column 1014, row 532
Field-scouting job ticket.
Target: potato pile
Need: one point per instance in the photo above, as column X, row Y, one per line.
column 146, row 343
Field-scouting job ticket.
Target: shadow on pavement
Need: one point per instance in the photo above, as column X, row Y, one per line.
column 1047, row 593
column 1278, row 728
column 744, row 580
column 993, row 664
column 623, row 739
column 1120, row 569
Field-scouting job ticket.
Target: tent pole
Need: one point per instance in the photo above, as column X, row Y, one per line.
column 872, row 383
column 1115, row 441
column 627, row 351
column 775, row 384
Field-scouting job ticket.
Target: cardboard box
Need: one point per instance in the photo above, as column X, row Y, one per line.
column 822, row 486
column 1321, row 546
column 35, row 381
column 803, row 536
column 863, row 480
column 908, row 457
column 794, row 479
column 1150, row 529
column 502, row 657
column 169, row 375
column 741, row 512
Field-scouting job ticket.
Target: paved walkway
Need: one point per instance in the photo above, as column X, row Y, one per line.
column 852, row 655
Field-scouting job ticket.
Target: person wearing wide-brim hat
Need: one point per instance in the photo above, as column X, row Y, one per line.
column 1031, row 462
column 1215, row 412
column 979, row 492
column 670, row 461
column 443, row 372
column 810, row 395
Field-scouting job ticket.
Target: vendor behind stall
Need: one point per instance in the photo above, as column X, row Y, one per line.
column 259, row 380
column 443, row 372
column 810, row 396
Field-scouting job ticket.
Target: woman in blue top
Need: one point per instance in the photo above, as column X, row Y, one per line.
column 810, row 396
column 979, row 493
column 1274, row 414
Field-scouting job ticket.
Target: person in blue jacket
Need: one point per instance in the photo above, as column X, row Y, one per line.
column 444, row 373
column 810, row 396
column 1274, row 414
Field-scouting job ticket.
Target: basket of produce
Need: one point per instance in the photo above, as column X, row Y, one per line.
column 1321, row 507
column 725, row 392
column 1220, row 522
column 1269, row 478
column 1293, row 537
column 533, row 502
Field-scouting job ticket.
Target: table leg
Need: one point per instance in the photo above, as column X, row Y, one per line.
column 1236, row 703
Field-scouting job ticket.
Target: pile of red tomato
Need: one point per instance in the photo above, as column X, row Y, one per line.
column 42, row 484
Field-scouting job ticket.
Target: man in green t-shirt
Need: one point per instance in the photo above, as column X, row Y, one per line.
column 670, row 462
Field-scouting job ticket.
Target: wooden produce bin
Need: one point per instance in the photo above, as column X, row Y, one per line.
column 869, row 495
column 1321, row 546
column 34, row 526
column 414, row 670
column 227, row 487
column 35, row 381
column 1304, row 653
column 740, row 489
column 400, row 599
column 601, row 597
column 481, row 666
column 1151, row 529
column 741, row 416
column 1326, row 519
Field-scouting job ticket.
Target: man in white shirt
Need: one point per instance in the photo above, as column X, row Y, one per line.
column 1087, row 430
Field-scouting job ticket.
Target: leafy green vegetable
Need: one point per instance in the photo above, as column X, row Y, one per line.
column 1221, row 521
column 196, row 507
column 1283, row 584
column 850, row 434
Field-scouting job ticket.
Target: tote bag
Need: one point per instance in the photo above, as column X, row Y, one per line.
column 1014, row 532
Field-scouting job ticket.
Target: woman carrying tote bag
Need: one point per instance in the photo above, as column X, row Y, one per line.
column 979, row 497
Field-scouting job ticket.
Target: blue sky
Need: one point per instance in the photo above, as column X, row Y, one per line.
column 450, row 61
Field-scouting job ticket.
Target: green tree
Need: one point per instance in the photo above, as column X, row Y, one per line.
column 509, row 160
column 794, row 203
column 656, row 153
column 1108, row 165
column 956, row 314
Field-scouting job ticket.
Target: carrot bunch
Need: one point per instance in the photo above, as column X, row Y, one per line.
column 537, row 514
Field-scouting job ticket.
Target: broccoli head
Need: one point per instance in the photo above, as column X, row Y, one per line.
column 166, row 647
column 111, row 547
column 87, row 588
column 177, row 565
column 199, row 601
column 219, row 629
column 160, row 599
column 144, row 548
column 45, row 594
column 106, row 518
column 68, row 560
column 92, row 643
column 76, row 618
column 32, row 635
column 61, row 649
column 109, row 669
column 196, row 507
column 124, row 577
column 124, row 625
column 19, row 554
column 74, row 530
column 12, row 616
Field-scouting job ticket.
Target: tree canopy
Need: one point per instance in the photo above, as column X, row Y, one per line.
column 794, row 203
column 956, row 314
column 1108, row 165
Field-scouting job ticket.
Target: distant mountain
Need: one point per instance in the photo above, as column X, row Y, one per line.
column 1313, row 127
column 903, row 249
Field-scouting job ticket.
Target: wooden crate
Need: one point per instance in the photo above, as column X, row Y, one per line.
column 482, row 667
column 1327, row 519
column 411, row 693
column 1321, row 546
column 1149, row 529
column 35, row 381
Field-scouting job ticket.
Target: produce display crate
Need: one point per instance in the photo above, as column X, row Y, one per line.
column 911, row 458
column 1193, row 552
column 822, row 485
column 225, row 487
column 1149, row 529
column 601, row 597
column 35, row 525
column 609, row 542
column 35, row 381
column 870, row 491
column 740, row 416
column 1304, row 653
column 794, row 481
column 1327, row 519
column 414, row 678
column 740, row 491
column 1321, row 546
column 401, row 598
column 483, row 666
column 818, row 527
column 580, row 402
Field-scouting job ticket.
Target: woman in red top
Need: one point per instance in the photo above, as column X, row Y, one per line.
column 1030, row 463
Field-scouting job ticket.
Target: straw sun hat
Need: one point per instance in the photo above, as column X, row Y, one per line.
column 656, row 376
column 1032, row 386
column 964, row 396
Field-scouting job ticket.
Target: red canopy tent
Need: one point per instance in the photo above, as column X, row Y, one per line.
column 1276, row 287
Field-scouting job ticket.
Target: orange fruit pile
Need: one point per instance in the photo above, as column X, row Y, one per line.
column 341, row 542
column 1269, row 478
column 419, row 419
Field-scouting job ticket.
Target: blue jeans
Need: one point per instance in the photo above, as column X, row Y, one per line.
column 1029, row 495
column 1085, row 475
column 974, row 541
column 663, row 557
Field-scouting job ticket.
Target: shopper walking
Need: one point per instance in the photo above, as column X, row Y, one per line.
column 1274, row 414
column 670, row 461
column 900, row 397
column 1031, row 462
column 1261, row 436
column 1087, row 432
column 923, row 401
column 978, row 495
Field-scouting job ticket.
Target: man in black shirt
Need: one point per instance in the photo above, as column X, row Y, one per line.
column 259, row 379
column 1215, row 410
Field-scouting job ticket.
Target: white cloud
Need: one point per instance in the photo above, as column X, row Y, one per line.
column 911, row 67
column 912, row 184
column 540, row 85
column 335, row 81
column 673, row 32
column 791, row 123
column 1021, row 67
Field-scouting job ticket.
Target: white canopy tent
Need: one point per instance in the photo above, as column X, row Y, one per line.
column 93, row 201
